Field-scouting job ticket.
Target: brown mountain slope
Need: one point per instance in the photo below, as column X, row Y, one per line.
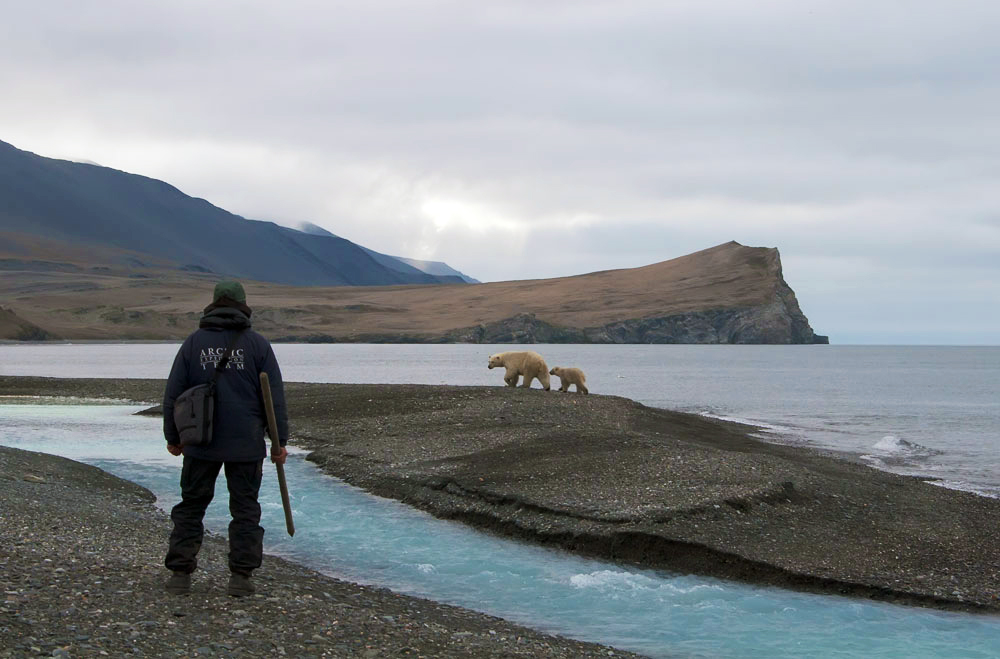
column 726, row 294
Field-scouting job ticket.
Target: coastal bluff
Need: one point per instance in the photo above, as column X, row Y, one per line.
column 727, row 294
column 608, row 477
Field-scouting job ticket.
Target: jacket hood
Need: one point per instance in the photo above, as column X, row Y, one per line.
column 226, row 318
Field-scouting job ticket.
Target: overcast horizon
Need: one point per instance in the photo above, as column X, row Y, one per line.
column 517, row 140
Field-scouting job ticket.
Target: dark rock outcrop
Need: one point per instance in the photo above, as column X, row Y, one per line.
column 775, row 323
column 522, row 328
column 19, row 329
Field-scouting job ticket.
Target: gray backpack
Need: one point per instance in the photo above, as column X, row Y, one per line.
column 194, row 409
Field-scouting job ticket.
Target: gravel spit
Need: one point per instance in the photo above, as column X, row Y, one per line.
column 608, row 477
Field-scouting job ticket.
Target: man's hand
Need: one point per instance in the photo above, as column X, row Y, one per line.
column 175, row 449
column 279, row 458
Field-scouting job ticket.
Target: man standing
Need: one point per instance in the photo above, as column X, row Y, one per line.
column 237, row 437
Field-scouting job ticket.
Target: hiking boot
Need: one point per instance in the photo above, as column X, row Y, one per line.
column 240, row 585
column 179, row 583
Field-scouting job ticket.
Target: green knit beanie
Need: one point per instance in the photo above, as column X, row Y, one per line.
column 231, row 289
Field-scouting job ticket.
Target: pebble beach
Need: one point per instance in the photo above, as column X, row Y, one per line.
column 81, row 556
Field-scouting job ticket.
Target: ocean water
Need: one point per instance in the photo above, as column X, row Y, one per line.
column 919, row 410
column 346, row 533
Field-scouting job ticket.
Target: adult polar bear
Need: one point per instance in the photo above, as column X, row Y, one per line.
column 527, row 363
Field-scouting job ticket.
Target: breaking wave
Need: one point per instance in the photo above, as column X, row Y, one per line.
column 895, row 448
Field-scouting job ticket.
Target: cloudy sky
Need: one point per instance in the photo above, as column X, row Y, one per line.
column 521, row 140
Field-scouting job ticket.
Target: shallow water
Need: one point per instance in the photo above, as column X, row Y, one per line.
column 346, row 533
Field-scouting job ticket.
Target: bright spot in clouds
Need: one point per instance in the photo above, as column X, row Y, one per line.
column 445, row 213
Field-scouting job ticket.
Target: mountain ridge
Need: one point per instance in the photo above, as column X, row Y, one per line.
column 400, row 263
column 89, row 252
column 80, row 203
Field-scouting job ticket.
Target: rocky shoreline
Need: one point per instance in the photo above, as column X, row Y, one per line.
column 608, row 477
column 81, row 556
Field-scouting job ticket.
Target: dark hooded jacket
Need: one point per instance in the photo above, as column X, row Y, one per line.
column 238, row 431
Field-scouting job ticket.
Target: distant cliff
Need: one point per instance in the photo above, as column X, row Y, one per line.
column 726, row 294
column 729, row 294
column 752, row 307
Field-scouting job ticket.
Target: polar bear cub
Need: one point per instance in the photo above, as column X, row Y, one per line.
column 527, row 363
column 568, row 376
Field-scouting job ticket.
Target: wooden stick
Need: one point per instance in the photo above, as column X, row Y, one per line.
column 272, row 425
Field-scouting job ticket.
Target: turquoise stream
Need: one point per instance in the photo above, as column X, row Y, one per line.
column 346, row 533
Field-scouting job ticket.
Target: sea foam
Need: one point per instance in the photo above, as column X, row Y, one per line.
column 893, row 446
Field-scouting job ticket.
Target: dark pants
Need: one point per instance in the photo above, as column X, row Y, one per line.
column 246, row 536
